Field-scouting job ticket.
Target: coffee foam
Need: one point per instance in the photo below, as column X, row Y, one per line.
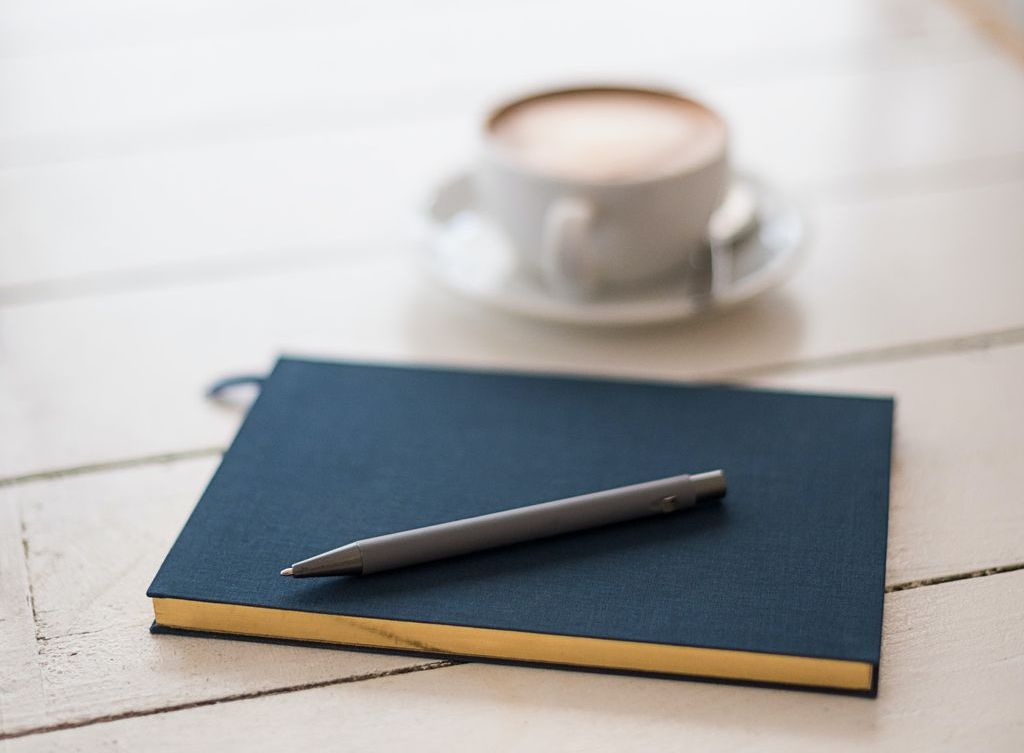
column 608, row 135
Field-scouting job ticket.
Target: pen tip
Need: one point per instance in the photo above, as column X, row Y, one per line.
column 286, row 571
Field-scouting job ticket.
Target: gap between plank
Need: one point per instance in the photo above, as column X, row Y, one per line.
column 889, row 353
column 111, row 465
column 170, row 275
column 967, row 174
column 945, row 346
column 231, row 698
column 440, row 664
column 938, row 580
column 23, row 530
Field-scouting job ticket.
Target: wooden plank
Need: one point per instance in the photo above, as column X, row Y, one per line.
column 285, row 67
column 854, row 124
column 21, row 681
column 134, row 365
column 349, row 180
column 951, row 678
column 237, row 204
column 47, row 26
column 95, row 542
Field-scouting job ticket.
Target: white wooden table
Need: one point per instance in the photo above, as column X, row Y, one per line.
column 188, row 188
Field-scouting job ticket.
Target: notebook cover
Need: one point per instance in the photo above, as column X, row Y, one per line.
column 792, row 563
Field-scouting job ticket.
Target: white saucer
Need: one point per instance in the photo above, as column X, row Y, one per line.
column 756, row 241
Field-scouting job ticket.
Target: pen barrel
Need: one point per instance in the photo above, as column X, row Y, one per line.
column 527, row 523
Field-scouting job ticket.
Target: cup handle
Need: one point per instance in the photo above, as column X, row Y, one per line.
column 566, row 260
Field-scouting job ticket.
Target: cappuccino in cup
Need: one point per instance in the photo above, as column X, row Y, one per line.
column 603, row 187
column 608, row 135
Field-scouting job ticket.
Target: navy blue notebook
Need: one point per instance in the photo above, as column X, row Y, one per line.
column 780, row 584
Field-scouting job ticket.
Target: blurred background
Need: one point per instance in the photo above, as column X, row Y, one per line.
column 188, row 188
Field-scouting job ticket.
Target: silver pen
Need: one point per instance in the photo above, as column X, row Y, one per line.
column 419, row 545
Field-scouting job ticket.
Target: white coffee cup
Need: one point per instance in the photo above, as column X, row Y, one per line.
column 603, row 187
